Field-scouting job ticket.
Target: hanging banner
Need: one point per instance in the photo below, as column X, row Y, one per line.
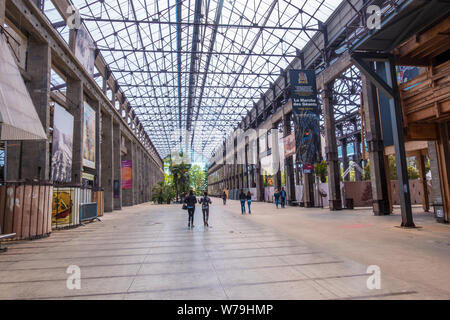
column 289, row 145
column 305, row 111
column 89, row 139
column 85, row 49
column 127, row 174
column 62, row 145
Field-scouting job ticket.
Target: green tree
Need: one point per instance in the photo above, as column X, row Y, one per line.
column 163, row 193
column 413, row 172
column 321, row 170
column 180, row 177
column 197, row 179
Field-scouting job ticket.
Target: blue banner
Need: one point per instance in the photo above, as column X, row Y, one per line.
column 305, row 114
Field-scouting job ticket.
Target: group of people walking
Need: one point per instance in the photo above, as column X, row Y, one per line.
column 190, row 202
column 245, row 198
column 280, row 196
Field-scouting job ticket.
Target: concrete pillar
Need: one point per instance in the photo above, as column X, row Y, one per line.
column 259, row 178
column 308, row 190
column 36, row 155
column 289, row 174
column 358, row 157
column 331, row 150
column 135, row 159
column 345, row 160
column 117, row 164
column 75, row 102
column 2, row 12
column 375, row 146
column 420, row 161
column 107, row 159
column 276, row 155
column 98, row 146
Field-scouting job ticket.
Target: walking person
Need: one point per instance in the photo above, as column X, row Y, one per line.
column 190, row 201
column 224, row 198
column 276, row 195
column 283, row 196
column 205, row 202
column 249, row 202
column 243, row 199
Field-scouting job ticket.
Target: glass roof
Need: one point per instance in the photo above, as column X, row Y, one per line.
column 194, row 68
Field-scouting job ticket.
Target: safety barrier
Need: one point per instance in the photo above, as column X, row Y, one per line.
column 26, row 209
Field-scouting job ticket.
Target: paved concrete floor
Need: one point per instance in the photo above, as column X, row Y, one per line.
column 147, row 252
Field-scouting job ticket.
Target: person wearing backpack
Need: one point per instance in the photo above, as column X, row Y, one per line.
column 190, row 201
column 205, row 202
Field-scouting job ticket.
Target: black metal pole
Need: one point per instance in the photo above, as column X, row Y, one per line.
column 399, row 143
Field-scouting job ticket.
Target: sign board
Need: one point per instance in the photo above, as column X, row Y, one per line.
column 62, row 145
column 127, row 174
column 89, row 138
column 305, row 111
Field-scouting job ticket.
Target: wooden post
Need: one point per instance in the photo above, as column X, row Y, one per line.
column 443, row 150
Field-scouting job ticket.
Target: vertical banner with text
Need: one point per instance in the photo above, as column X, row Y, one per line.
column 305, row 112
column 127, row 174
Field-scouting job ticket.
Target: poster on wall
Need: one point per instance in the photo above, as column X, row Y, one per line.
column 406, row 73
column 116, row 189
column 305, row 110
column 61, row 170
column 127, row 174
column 62, row 208
column 89, row 137
column 289, row 145
column 85, row 49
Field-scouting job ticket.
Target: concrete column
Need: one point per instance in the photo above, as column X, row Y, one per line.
column 75, row 102
column 98, row 146
column 345, row 160
column 135, row 159
column 107, row 159
column 117, row 164
column 36, row 155
column 259, row 178
column 378, row 177
column 2, row 12
column 308, row 190
column 331, row 151
column 420, row 161
column 276, row 155
column 289, row 174
column 358, row 157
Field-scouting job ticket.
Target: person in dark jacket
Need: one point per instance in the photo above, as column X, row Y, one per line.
column 283, row 196
column 243, row 199
column 224, row 198
column 205, row 202
column 191, row 200
column 249, row 202
column 276, row 195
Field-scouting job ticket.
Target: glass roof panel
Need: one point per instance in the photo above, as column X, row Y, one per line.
column 241, row 46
